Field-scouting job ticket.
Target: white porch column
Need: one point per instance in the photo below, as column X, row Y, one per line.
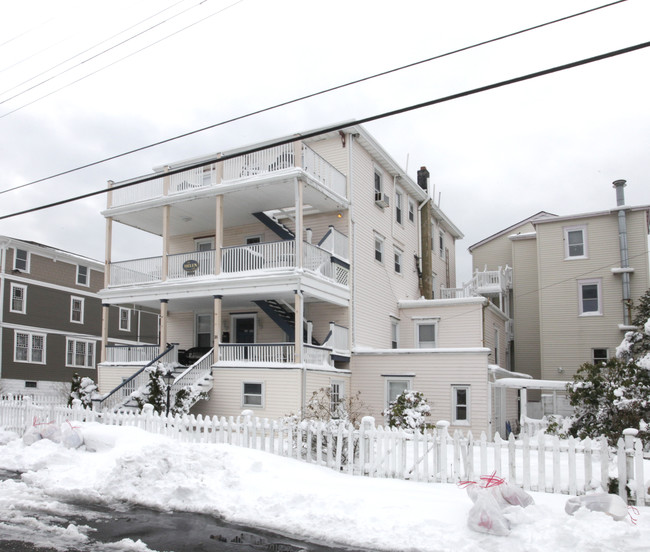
column 165, row 251
column 298, row 315
column 108, row 244
column 218, row 233
column 163, row 324
column 105, row 312
column 216, row 324
column 299, row 223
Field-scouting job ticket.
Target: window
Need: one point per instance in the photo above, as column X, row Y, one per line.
column 378, row 184
column 589, row 297
column 599, row 355
column 29, row 347
column 82, row 275
column 394, row 334
column 80, row 353
column 496, row 346
column 575, row 242
column 77, row 310
column 253, row 394
column 411, row 211
column 125, row 319
column 441, row 243
column 379, row 248
column 253, row 239
column 395, row 387
column 204, row 337
column 204, row 244
column 31, row 384
column 21, row 260
column 398, row 207
column 336, row 397
column 460, row 404
column 18, row 299
column 426, row 334
column 398, row 261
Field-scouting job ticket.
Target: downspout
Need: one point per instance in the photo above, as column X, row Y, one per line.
column 353, row 243
column 622, row 239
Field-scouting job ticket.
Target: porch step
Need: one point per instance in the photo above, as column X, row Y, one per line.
column 284, row 318
column 273, row 224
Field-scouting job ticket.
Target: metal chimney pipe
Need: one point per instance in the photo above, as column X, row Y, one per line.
column 622, row 241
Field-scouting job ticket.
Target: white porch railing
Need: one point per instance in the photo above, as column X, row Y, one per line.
column 336, row 243
column 337, row 340
column 136, row 271
column 257, row 352
column 131, row 353
column 195, row 373
column 203, row 264
column 263, row 162
column 258, row 256
column 486, row 282
column 318, row 356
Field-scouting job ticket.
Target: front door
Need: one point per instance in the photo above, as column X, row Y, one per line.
column 243, row 327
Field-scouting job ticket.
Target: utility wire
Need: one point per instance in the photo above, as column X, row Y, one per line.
column 91, row 48
column 341, row 126
column 121, row 59
column 308, row 96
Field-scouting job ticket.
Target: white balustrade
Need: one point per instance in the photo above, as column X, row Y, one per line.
column 261, row 162
column 317, row 260
column 136, row 271
column 136, row 193
column 336, row 243
column 320, row 169
column 258, row 256
column 257, row 352
column 318, row 356
column 195, row 373
column 189, row 180
column 188, row 265
column 338, row 338
column 131, row 353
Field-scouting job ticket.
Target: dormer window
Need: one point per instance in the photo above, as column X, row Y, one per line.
column 21, row 260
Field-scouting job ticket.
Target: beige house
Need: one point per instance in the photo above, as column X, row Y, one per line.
column 574, row 280
column 299, row 265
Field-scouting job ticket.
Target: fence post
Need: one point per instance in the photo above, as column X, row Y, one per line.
column 367, row 426
column 629, row 435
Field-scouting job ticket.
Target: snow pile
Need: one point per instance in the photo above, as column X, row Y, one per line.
column 125, row 464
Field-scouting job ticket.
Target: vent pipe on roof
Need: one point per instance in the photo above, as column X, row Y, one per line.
column 622, row 240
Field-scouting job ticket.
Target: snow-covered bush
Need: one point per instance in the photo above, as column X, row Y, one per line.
column 82, row 389
column 408, row 411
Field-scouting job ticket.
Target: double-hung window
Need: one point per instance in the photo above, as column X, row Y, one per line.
column 379, row 248
column 29, row 347
column 590, row 297
column 336, row 397
column 441, row 243
column 460, row 404
column 21, row 260
column 398, row 261
column 82, row 276
column 80, row 353
column 378, row 185
column 398, row 207
column 394, row 333
column 253, row 394
column 426, row 334
column 77, row 310
column 411, row 210
column 599, row 356
column 125, row 319
column 575, row 242
column 18, row 299
column 395, row 387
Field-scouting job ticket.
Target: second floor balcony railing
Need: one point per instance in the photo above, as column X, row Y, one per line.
column 258, row 257
column 268, row 161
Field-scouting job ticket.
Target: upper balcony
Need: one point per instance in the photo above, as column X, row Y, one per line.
column 255, row 182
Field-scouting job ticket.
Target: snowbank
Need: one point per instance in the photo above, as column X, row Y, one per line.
column 258, row 489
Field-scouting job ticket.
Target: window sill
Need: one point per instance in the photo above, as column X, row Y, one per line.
column 588, row 314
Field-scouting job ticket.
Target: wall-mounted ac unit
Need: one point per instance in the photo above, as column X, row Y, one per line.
column 381, row 199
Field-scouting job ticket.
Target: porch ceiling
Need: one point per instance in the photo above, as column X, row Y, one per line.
column 190, row 214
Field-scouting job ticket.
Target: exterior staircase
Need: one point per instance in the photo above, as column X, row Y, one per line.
column 283, row 317
column 276, row 226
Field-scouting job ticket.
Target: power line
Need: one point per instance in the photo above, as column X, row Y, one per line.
column 308, row 96
column 340, row 126
column 119, row 60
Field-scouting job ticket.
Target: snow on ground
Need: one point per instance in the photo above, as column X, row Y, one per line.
column 123, row 464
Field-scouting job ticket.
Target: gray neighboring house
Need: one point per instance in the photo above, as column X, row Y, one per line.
column 50, row 318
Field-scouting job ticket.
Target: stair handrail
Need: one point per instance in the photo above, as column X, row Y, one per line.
column 99, row 404
column 203, row 364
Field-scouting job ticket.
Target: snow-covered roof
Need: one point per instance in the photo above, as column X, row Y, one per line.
column 537, row 216
column 519, row 383
column 50, row 252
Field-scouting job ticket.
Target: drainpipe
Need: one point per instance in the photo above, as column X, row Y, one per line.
column 352, row 243
column 622, row 239
column 426, row 287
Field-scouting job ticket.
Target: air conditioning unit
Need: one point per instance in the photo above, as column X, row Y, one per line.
column 381, row 199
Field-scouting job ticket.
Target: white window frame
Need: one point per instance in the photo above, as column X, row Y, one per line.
column 27, row 260
column 30, row 347
column 128, row 320
column 393, row 380
column 398, row 258
column 594, row 360
column 394, row 333
column 599, row 297
column 200, row 242
column 81, row 276
column 379, row 248
column 245, row 396
column 378, row 182
column 72, row 363
column 81, row 301
column 24, row 299
column 567, row 252
column 496, row 346
column 441, row 242
column 399, row 211
column 411, row 211
column 252, row 240
column 337, row 394
column 456, row 420
column 426, row 322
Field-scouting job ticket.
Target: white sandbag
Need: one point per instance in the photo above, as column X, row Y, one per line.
column 50, row 431
column 71, row 435
column 31, row 436
column 610, row 504
column 486, row 516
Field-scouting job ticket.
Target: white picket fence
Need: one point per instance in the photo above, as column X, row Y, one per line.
column 542, row 463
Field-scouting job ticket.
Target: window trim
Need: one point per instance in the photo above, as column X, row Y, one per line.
column 599, row 297
column 31, row 336
column 426, row 322
column 454, row 405
column 28, row 259
column 379, row 240
column 244, row 395
column 394, row 333
column 585, row 251
column 74, row 298
column 24, row 299
column 198, row 242
column 398, row 256
column 87, row 276
column 594, row 360
column 340, row 394
column 394, row 379
column 441, row 243
column 86, row 342
column 378, row 181
column 128, row 319
column 411, row 213
column 399, row 211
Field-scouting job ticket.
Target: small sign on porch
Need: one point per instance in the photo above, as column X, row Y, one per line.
column 190, row 265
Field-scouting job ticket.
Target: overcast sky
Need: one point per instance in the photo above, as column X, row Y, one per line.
column 555, row 143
